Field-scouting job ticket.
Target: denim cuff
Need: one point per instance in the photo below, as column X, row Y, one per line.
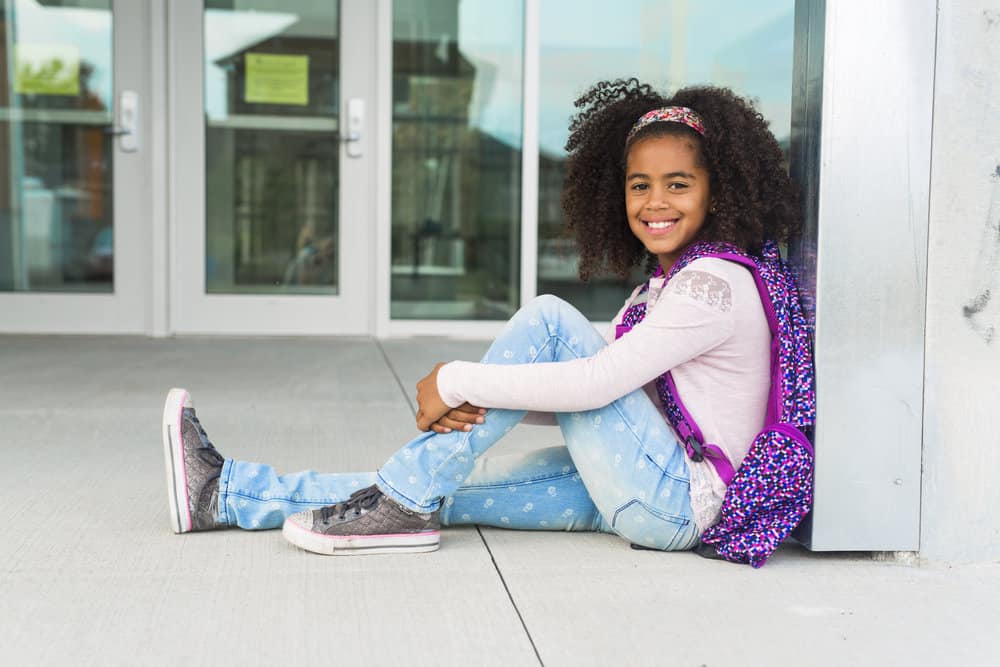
column 227, row 469
column 406, row 502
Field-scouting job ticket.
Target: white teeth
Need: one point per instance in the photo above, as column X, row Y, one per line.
column 659, row 225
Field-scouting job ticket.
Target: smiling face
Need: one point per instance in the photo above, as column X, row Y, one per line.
column 666, row 195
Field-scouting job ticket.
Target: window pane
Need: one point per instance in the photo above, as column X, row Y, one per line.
column 56, row 225
column 456, row 159
column 271, row 148
column 746, row 46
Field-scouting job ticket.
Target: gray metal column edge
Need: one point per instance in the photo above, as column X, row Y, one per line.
column 869, row 240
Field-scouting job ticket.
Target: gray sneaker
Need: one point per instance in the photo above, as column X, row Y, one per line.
column 193, row 466
column 368, row 523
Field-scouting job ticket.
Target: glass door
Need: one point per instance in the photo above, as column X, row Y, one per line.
column 73, row 166
column 272, row 166
column 457, row 107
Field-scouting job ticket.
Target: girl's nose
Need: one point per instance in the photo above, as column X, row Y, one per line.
column 658, row 197
column 659, row 200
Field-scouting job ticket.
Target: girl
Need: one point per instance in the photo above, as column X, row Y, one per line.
column 647, row 177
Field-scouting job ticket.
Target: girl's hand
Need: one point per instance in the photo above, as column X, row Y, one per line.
column 461, row 418
column 430, row 407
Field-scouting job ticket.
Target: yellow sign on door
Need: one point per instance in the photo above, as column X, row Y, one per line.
column 47, row 69
column 277, row 79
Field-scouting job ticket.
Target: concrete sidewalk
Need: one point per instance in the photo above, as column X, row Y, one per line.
column 90, row 573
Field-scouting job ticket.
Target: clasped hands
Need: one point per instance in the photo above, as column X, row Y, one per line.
column 433, row 414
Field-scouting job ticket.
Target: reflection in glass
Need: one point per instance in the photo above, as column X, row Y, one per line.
column 456, row 159
column 271, row 148
column 56, row 226
column 746, row 46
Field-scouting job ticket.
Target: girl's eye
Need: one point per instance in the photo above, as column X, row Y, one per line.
column 677, row 186
column 640, row 186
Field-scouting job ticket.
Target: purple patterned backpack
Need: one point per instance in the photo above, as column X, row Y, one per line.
column 773, row 489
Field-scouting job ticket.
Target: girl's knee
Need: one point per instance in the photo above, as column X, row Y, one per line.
column 547, row 316
column 549, row 308
column 544, row 303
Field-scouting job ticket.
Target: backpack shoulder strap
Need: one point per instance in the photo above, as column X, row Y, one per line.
column 774, row 393
column 684, row 422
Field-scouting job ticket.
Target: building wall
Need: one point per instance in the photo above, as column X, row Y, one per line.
column 960, row 518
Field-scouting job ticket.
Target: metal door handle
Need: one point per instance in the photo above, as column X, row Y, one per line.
column 127, row 129
column 352, row 139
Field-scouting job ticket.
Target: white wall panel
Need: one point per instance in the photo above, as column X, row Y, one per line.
column 961, row 494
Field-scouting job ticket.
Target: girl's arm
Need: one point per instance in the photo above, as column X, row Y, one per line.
column 680, row 326
column 549, row 418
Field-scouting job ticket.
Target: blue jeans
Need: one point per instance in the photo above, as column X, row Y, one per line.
column 621, row 470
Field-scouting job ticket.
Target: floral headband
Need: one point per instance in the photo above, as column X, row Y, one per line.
column 683, row 115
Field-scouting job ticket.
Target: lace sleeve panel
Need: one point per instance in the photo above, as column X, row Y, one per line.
column 703, row 287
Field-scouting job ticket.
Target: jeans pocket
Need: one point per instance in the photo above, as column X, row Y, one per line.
column 647, row 526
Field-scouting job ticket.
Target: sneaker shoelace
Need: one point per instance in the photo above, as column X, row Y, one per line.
column 359, row 500
column 207, row 452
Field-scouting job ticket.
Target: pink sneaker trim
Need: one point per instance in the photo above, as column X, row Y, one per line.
column 341, row 538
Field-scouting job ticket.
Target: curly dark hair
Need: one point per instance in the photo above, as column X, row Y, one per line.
column 753, row 197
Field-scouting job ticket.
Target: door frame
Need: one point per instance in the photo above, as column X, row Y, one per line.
column 191, row 310
column 127, row 309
